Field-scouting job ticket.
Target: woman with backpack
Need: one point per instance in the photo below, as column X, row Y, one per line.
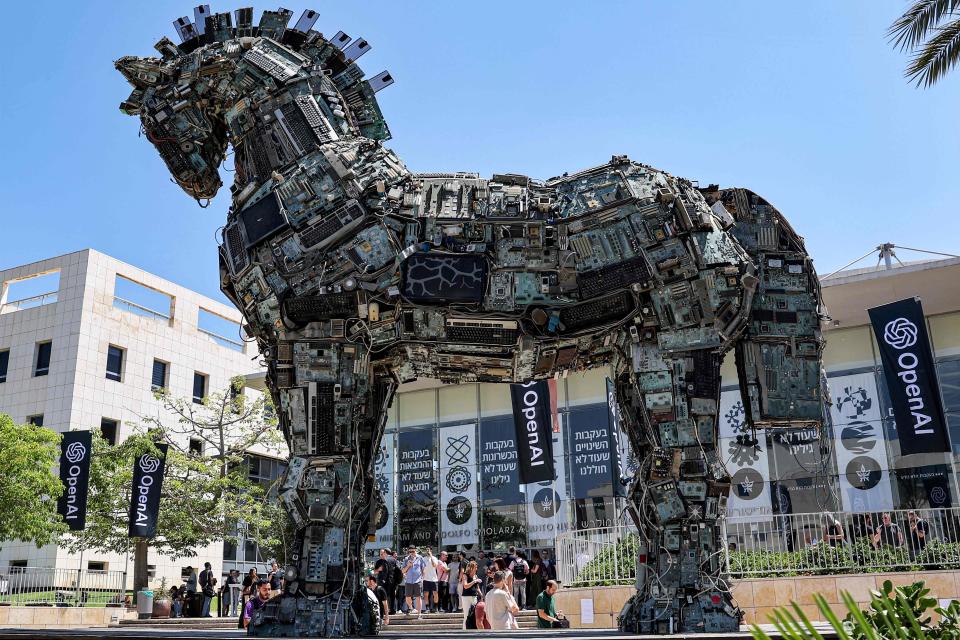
column 469, row 590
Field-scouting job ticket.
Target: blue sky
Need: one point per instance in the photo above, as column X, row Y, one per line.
column 802, row 102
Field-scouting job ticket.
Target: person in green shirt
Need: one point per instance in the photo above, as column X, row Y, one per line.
column 546, row 611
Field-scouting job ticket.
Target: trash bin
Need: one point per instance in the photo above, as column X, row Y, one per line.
column 144, row 604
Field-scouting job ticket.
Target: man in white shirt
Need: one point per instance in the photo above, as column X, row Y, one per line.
column 500, row 606
column 430, row 579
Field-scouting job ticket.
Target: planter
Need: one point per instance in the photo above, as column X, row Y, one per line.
column 161, row 608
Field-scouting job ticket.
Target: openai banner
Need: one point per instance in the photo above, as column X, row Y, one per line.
column 145, row 496
column 533, row 423
column 547, row 501
column 459, row 506
column 75, row 450
column 384, row 472
column 747, row 461
column 911, row 376
column 859, row 445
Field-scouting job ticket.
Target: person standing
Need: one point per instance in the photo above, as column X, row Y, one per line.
column 231, row 594
column 205, row 588
column 888, row 534
column 443, row 582
column 535, row 579
column 547, row 617
column 191, row 584
column 456, row 568
column 520, row 570
column 431, row 578
column 261, row 595
column 549, row 569
column 381, row 595
column 501, row 607
column 469, row 589
column 917, row 534
column 413, row 566
column 385, row 570
column 276, row 579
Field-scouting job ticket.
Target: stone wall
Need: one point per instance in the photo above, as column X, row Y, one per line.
column 59, row 617
column 759, row 597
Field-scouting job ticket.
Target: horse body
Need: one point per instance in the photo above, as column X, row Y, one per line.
column 355, row 275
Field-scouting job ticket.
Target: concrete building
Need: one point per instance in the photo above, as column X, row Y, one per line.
column 84, row 341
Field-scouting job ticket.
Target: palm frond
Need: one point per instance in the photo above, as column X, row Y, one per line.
column 937, row 57
column 910, row 29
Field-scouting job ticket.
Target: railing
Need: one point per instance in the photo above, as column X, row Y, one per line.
column 45, row 586
column 29, row 303
column 223, row 341
column 782, row 545
column 138, row 309
column 824, row 543
column 602, row 556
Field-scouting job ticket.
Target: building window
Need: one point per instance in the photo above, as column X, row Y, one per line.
column 114, row 363
column 159, row 379
column 43, row 359
column 17, row 566
column 199, row 387
column 230, row 549
column 36, row 420
column 97, row 565
column 196, row 446
column 108, row 429
column 4, row 363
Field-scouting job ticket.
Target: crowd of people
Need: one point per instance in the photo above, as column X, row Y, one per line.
column 488, row 589
column 237, row 597
column 881, row 532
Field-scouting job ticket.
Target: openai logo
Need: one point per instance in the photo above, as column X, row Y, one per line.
column 900, row 333
column 75, row 452
column 149, row 464
column 938, row 496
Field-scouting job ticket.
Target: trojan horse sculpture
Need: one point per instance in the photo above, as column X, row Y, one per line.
column 355, row 275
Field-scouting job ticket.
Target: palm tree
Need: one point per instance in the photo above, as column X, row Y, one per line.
column 930, row 31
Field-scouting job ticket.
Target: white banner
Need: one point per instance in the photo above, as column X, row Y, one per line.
column 547, row 501
column 860, row 446
column 459, row 506
column 746, row 459
column 384, row 472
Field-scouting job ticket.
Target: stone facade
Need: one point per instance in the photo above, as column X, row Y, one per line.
column 758, row 598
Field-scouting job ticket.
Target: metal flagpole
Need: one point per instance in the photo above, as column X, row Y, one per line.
column 79, row 578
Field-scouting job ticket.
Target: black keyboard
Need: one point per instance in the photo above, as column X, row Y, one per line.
column 321, row 419
column 317, row 233
column 482, row 335
column 303, row 309
column 597, row 312
column 615, row 276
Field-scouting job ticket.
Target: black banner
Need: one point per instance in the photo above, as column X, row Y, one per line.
column 617, row 435
column 532, row 422
column 75, row 450
column 145, row 496
column 911, row 377
column 417, row 494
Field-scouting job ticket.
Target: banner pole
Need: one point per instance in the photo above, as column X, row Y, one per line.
column 76, row 596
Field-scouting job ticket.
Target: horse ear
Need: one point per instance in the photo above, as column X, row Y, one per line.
column 139, row 72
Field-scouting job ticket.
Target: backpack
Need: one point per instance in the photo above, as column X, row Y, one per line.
column 472, row 617
column 520, row 569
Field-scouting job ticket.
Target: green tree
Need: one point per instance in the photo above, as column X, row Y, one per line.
column 29, row 485
column 929, row 30
column 205, row 494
